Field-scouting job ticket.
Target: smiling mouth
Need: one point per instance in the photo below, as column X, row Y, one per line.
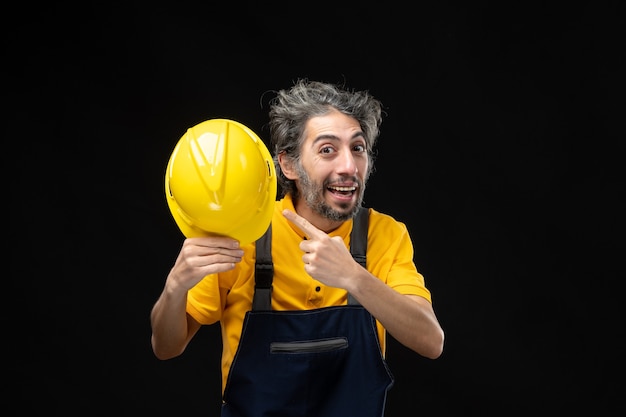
column 342, row 190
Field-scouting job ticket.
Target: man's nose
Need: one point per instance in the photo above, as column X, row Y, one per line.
column 346, row 163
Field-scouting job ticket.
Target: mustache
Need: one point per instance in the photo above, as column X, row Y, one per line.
column 342, row 179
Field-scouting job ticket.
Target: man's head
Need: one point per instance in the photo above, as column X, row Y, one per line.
column 323, row 139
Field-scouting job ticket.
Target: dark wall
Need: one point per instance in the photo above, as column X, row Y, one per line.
column 501, row 151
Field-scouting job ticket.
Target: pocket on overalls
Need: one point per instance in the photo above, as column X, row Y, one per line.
column 309, row 346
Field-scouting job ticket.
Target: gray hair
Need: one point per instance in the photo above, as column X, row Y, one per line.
column 291, row 108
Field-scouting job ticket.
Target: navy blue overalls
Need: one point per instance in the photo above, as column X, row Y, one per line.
column 323, row 362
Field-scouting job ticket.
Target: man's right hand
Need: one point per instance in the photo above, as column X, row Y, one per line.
column 201, row 256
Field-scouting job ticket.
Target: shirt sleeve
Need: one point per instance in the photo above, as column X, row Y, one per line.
column 205, row 299
column 390, row 256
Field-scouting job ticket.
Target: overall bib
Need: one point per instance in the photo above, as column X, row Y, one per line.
column 324, row 362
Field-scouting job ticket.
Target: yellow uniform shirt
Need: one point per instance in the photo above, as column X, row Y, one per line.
column 227, row 296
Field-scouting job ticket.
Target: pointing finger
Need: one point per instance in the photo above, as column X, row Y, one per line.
column 302, row 223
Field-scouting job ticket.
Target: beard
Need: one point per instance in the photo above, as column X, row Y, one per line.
column 313, row 194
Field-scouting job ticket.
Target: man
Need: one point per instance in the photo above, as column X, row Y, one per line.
column 318, row 346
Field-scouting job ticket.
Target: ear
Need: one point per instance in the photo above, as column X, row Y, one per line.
column 286, row 165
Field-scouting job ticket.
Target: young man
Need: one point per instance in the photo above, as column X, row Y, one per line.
column 318, row 347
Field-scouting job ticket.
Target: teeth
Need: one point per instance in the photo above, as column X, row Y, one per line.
column 344, row 188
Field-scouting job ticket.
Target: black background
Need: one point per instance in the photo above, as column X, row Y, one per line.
column 501, row 150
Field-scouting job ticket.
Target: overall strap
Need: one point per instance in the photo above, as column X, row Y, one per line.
column 264, row 267
column 264, row 272
column 358, row 242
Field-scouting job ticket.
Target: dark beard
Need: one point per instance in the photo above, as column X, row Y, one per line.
column 312, row 193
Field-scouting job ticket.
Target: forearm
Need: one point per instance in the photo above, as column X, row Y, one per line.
column 170, row 329
column 409, row 319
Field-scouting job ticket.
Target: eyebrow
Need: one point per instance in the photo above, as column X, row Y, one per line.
column 335, row 137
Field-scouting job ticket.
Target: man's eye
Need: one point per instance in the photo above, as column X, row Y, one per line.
column 359, row 148
column 326, row 149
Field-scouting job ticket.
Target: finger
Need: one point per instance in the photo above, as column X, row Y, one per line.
column 214, row 242
column 303, row 224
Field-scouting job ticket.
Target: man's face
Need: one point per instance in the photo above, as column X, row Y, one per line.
column 334, row 165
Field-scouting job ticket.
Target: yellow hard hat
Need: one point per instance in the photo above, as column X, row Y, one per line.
column 221, row 180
